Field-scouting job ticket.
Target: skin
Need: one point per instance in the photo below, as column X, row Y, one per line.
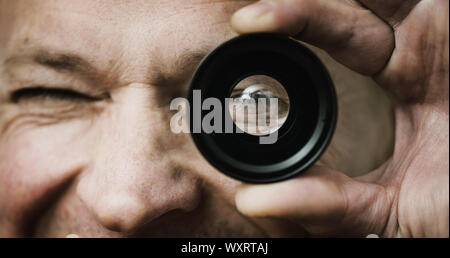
column 109, row 166
column 403, row 45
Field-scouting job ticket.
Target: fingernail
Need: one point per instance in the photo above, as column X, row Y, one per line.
column 72, row 236
column 252, row 199
column 257, row 17
column 257, row 9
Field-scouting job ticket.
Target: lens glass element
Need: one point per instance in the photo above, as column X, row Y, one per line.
column 259, row 105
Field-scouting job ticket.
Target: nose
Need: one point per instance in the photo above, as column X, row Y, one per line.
column 132, row 179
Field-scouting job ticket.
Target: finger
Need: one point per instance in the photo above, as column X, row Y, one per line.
column 322, row 201
column 392, row 11
column 350, row 33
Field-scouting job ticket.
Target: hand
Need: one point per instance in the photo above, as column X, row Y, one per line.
column 403, row 45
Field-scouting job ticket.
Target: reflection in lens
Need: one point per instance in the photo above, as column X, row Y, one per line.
column 259, row 105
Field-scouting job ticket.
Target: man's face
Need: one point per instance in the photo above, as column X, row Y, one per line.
column 99, row 165
column 85, row 140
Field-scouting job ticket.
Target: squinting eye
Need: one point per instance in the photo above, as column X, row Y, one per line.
column 48, row 94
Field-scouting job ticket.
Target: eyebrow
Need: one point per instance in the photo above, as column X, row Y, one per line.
column 75, row 64
column 67, row 62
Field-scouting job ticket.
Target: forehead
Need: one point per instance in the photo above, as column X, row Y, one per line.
column 133, row 31
column 116, row 11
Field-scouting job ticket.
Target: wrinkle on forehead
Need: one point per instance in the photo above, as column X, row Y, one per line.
column 134, row 31
column 124, row 9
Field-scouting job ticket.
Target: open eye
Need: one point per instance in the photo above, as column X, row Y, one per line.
column 259, row 108
column 52, row 94
column 252, row 93
column 250, row 96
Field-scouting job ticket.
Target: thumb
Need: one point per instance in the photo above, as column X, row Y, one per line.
column 322, row 201
column 350, row 33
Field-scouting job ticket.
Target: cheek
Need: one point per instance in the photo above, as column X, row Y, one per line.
column 186, row 156
column 37, row 160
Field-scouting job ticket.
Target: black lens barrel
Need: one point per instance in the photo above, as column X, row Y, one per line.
column 308, row 128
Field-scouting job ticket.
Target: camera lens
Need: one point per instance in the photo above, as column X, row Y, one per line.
column 262, row 108
column 259, row 105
